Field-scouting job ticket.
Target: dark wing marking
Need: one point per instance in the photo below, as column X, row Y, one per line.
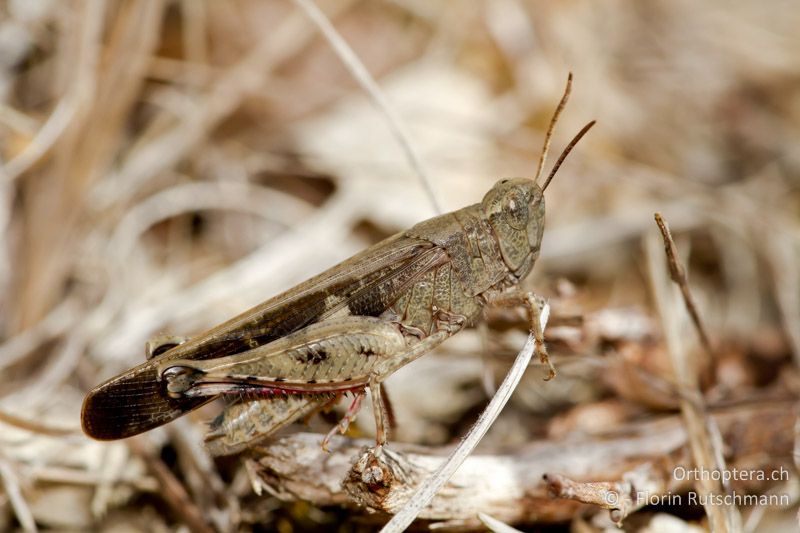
column 135, row 401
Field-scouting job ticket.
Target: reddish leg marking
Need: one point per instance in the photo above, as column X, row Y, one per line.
column 266, row 391
column 344, row 423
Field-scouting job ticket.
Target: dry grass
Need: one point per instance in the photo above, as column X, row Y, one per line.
column 167, row 164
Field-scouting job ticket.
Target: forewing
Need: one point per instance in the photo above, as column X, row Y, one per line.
column 365, row 284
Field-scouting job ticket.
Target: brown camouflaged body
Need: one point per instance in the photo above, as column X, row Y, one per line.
column 435, row 276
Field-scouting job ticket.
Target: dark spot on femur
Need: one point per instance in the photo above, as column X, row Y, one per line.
column 367, row 351
column 503, row 181
column 279, row 380
column 311, row 381
column 315, row 357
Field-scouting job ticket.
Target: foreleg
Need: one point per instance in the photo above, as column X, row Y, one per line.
column 534, row 304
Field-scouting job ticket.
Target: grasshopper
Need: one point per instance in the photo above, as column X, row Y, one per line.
column 343, row 331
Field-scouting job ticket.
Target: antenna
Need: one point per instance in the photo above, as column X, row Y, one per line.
column 559, row 109
column 566, row 152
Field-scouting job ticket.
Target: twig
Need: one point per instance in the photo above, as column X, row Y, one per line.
column 678, row 275
column 704, row 440
column 511, row 487
column 432, row 485
column 632, row 492
column 35, row 426
column 370, row 86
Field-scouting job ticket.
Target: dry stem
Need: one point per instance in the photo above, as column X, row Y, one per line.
column 704, row 441
column 370, row 86
column 678, row 275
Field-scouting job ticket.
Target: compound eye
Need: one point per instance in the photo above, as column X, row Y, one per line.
column 515, row 206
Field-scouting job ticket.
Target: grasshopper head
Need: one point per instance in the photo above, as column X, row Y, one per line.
column 515, row 207
column 515, row 211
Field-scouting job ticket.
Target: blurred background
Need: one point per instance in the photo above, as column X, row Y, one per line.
column 168, row 164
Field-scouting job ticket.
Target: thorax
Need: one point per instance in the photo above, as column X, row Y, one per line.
column 452, row 293
column 471, row 245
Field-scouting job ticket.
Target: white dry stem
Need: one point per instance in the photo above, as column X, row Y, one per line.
column 192, row 197
column 81, row 477
column 184, row 198
column 258, row 272
column 58, row 321
column 13, row 491
column 163, row 151
column 79, row 95
column 431, row 486
column 47, row 135
column 57, row 369
column 113, row 462
column 496, row 525
column 17, row 121
column 360, row 73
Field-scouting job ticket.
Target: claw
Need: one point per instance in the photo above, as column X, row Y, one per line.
column 327, row 441
column 544, row 358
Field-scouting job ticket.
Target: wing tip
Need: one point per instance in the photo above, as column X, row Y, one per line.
column 129, row 404
column 89, row 420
